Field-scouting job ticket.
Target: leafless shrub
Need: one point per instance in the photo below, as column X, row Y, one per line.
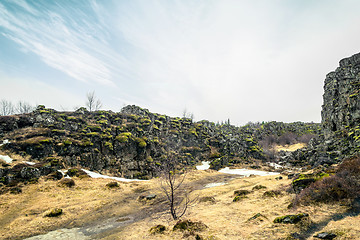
column 92, row 103
column 6, row 107
column 172, row 185
column 24, row 107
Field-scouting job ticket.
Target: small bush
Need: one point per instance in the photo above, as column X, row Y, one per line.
column 345, row 184
column 67, row 182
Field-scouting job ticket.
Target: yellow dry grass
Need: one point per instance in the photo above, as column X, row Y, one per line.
column 23, row 215
column 290, row 148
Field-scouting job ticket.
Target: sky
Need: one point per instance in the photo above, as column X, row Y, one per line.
column 243, row 60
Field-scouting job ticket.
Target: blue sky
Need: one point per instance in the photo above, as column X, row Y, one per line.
column 255, row 60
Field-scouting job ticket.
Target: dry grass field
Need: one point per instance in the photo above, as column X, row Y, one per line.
column 90, row 202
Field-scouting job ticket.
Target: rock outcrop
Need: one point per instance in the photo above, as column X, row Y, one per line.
column 340, row 133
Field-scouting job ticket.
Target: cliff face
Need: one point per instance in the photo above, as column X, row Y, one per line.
column 341, row 108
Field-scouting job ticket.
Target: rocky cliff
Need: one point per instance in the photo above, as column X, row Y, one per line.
column 341, row 108
column 340, row 115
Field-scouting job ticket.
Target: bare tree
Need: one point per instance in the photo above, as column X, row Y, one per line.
column 172, row 186
column 92, row 103
column 24, row 107
column 6, row 107
column 187, row 114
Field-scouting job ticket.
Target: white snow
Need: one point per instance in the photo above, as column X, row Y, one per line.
column 210, row 185
column 98, row 175
column 6, row 158
column 30, row 163
column 4, row 142
column 204, row 166
column 246, row 172
column 275, row 165
column 62, row 172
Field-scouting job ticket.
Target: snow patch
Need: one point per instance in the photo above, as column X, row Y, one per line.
column 62, row 172
column 30, row 163
column 275, row 165
column 6, row 158
column 6, row 141
column 98, row 175
column 246, row 172
column 203, row 166
column 216, row 184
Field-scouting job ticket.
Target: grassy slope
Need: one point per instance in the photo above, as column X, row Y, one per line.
column 90, row 201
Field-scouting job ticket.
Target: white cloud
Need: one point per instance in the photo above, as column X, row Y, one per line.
column 243, row 60
column 59, row 41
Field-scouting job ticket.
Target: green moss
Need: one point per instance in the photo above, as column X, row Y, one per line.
column 47, row 140
column 67, row 142
column 59, row 131
column 71, row 118
column 102, row 122
column 123, row 137
column 95, row 128
column 134, row 117
column 149, row 159
column 292, row 219
column 106, row 135
column 93, row 134
column 238, row 198
column 158, row 122
column 109, row 145
column 141, row 142
column 193, row 131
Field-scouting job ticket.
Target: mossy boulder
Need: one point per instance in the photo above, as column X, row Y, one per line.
column 291, row 219
column 112, row 185
column 54, row 212
column 241, row 192
column 157, row 229
column 272, row 193
column 188, row 225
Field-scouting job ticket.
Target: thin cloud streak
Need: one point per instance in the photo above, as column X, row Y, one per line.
column 51, row 36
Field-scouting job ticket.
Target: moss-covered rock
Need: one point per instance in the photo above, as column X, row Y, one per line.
column 188, row 225
column 54, row 212
column 291, row 219
column 157, row 229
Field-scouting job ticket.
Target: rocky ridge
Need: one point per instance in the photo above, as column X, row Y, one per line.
column 133, row 142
